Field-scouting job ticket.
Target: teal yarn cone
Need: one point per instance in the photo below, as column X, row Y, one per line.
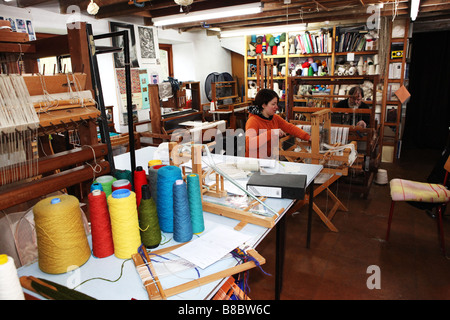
column 195, row 203
column 148, row 220
column 123, row 175
column 182, row 226
column 167, row 176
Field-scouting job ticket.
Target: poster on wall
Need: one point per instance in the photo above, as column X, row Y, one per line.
column 119, row 57
column 147, row 44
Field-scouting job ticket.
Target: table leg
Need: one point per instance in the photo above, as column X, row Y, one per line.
column 310, row 209
column 279, row 264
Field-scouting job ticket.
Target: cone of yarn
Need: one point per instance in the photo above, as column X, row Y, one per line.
column 61, row 238
column 102, row 242
column 154, row 162
column 96, row 186
column 148, row 220
column 124, row 223
column 106, row 182
column 152, row 180
column 10, row 288
column 167, row 176
column 182, row 226
column 123, row 174
column 121, row 184
column 195, row 203
column 140, row 178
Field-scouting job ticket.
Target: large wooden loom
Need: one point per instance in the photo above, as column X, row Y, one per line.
column 60, row 170
column 320, row 127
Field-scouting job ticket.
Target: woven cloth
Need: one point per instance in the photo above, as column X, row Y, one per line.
column 407, row 190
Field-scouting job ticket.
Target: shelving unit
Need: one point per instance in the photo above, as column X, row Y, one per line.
column 289, row 62
column 394, row 78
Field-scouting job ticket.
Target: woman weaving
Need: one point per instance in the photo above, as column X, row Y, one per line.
column 264, row 125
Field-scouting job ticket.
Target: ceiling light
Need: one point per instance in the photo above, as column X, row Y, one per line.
column 414, row 9
column 206, row 15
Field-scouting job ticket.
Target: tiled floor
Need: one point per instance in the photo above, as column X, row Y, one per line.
column 411, row 265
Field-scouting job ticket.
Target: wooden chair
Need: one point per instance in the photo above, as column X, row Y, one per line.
column 424, row 195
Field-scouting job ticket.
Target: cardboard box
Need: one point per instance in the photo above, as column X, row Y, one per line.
column 279, row 185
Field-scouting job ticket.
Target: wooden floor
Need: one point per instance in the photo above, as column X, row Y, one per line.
column 335, row 267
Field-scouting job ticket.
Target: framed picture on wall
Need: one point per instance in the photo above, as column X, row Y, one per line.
column 119, row 57
column 147, row 44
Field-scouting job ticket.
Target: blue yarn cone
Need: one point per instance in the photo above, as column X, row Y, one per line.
column 182, row 226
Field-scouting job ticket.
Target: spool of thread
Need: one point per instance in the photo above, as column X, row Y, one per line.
column 248, row 164
column 106, row 182
column 140, row 178
column 166, row 178
column 148, row 220
column 102, row 242
column 96, row 186
column 61, row 238
column 121, row 184
column 182, row 226
column 10, row 288
column 124, row 223
column 152, row 180
column 195, row 203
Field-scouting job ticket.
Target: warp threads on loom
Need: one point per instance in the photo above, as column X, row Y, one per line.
column 152, row 180
column 121, row 184
column 102, row 242
column 148, row 220
column 195, row 203
column 10, row 288
column 167, row 176
column 140, row 178
column 182, row 226
column 124, row 223
column 106, row 182
column 61, row 238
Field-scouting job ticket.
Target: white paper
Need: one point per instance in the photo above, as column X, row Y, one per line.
column 212, row 246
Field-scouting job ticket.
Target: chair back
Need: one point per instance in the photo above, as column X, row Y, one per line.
column 447, row 169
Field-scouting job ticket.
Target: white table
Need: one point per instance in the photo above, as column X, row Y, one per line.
column 129, row 286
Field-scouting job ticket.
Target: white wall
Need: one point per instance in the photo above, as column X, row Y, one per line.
column 195, row 54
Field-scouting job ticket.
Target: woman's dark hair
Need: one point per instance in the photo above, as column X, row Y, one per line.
column 355, row 90
column 264, row 96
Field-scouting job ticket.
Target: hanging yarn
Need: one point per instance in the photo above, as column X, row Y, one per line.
column 102, row 242
column 10, row 288
column 195, row 203
column 152, row 180
column 121, row 184
column 148, row 220
column 61, row 238
column 124, row 223
column 106, row 182
column 167, row 175
column 140, row 178
column 182, row 226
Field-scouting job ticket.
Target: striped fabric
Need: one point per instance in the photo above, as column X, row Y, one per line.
column 406, row 190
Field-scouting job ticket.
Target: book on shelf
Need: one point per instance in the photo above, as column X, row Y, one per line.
column 313, row 42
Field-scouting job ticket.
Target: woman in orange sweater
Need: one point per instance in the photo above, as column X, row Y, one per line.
column 264, row 125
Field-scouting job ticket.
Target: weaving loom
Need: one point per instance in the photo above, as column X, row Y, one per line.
column 32, row 109
column 328, row 147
